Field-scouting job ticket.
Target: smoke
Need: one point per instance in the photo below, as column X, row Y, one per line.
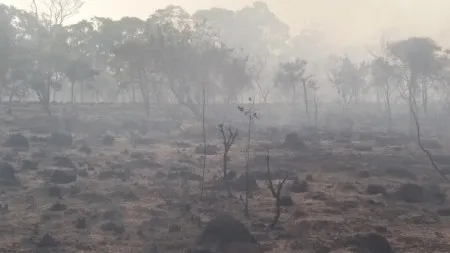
column 346, row 23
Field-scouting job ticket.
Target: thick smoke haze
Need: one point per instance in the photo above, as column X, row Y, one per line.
column 347, row 23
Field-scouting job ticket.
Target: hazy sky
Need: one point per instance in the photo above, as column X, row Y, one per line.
column 346, row 21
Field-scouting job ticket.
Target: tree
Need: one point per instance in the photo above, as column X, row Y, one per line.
column 310, row 44
column 255, row 29
column 385, row 80
column 251, row 114
column 316, row 101
column 257, row 69
column 348, row 78
column 7, row 43
column 420, row 58
column 56, row 12
column 138, row 58
column 194, row 59
column 14, row 83
column 78, row 71
column 228, row 137
column 289, row 75
column 50, row 49
column 276, row 192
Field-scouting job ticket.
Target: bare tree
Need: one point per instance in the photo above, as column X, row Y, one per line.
column 316, row 101
column 276, row 192
column 348, row 78
column 257, row 66
column 289, row 74
column 420, row 58
column 228, row 139
column 49, row 16
column 419, row 141
column 305, row 81
column 204, row 141
column 250, row 112
column 56, row 12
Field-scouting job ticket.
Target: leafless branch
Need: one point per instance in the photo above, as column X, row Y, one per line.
column 56, row 12
column 435, row 167
column 228, row 140
column 204, row 140
column 276, row 193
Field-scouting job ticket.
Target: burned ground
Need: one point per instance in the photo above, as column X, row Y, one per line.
column 98, row 194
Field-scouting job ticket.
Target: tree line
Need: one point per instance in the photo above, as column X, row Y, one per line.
column 176, row 57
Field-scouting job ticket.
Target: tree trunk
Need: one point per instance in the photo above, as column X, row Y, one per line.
column 81, row 93
column 316, row 109
column 247, row 167
column 204, row 141
column 411, row 100
column 389, row 109
column 46, row 98
column 266, row 94
column 425, row 98
column 54, row 95
column 97, row 95
column 72, row 92
column 305, row 98
column 133, row 90
column 11, row 96
column 225, row 173
column 277, row 214
column 145, row 98
column 293, row 94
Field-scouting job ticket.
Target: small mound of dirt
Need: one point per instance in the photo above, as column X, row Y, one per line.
column 63, row 162
column 7, row 174
column 116, row 227
column 223, row 231
column 210, row 149
column 47, row 242
column 411, row 193
column 443, row 211
column 371, row 243
column 63, row 177
column 373, row 189
column 124, row 175
column 27, row 164
column 55, row 191
column 142, row 140
column 442, row 159
column 240, row 183
column 58, row 207
column 286, row 201
column 17, row 141
column 362, row 147
column 108, row 139
column 363, row 174
column 231, row 175
column 431, row 144
column 61, row 139
column 85, row 149
column 81, row 223
column 293, row 142
column 299, row 186
column 400, row 173
column 124, row 194
column 140, row 163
